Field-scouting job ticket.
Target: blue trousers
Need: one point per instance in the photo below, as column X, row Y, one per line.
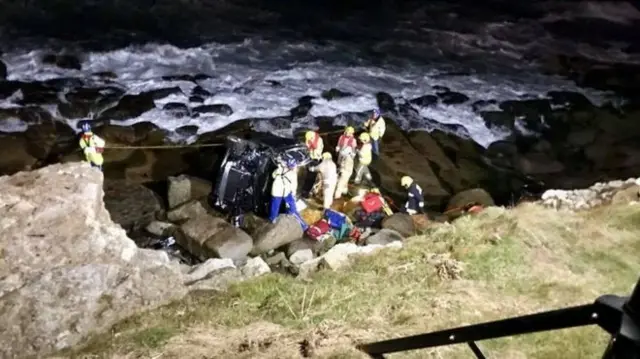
column 291, row 209
column 375, row 146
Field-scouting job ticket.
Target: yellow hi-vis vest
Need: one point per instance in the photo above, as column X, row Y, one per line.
column 89, row 147
column 364, row 154
column 376, row 127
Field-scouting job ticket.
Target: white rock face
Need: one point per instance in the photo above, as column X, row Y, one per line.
column 66, row 269
column 599, row 194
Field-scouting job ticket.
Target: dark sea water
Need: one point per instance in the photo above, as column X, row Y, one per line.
column 261, row 57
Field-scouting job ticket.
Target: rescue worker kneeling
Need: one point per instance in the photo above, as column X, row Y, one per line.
column 284, row 182
column 415, row 201
column 364, row 159
column 92, row 146
column 327, row 169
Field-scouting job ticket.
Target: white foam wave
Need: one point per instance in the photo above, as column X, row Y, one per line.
column 276, row 78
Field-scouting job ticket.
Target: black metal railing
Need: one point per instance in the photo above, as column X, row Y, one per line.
column 619, row 316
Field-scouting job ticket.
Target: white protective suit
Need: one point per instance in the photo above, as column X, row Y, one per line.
column 329, row 172
column 346, row 162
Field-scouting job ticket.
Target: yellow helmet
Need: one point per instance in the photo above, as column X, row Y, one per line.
column 406, row 181
column 309, row 135
column 349, row 130
column 375, row 190
column 326, row 156
column 364, row 137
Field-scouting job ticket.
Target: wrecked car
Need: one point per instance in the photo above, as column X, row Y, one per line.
column 243, row 180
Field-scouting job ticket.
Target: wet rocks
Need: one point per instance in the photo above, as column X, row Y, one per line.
column 196, row 99
column 425, row 101
column 333, row 94
column 200, row 92
column 221, row 109
column 179, row 110
column 304, row 106
column 3, row 70
column 129, row 106
column 452, row 98
column 64, row 61
column 75, row 265
column 385, row 102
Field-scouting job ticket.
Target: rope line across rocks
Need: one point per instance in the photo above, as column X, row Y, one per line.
column 164, row 146
column 198, row 145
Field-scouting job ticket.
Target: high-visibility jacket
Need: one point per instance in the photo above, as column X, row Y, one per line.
column 315, row 146
column 346, row 141
column 376, row 127
column 92, row 146
column 364, row 154
column 285, row 182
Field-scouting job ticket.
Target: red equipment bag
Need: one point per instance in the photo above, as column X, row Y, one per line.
column 372, row 202
column 318, row 229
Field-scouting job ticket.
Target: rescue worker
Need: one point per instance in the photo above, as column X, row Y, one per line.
column 345, row 159
column 364, row 159
column 314, row 144
column 415, row 201
column 376, row 127
column 327, row 169
column 92, row 146
column 347, row 140
column 282, row 189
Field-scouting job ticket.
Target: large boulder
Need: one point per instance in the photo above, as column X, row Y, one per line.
column 67, row 270
column 183, row 189
column 206, row 236
column 285, row 230
column 470, row 196
column 399, row 158
column 401, row 223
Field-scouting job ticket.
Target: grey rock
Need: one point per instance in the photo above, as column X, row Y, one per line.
column 401, row 223
column 301, row 256
column 183, row 189
column 161, row 229
column 384, row 237
column 66, row 266
column 255, row 267
column 285, row 230
column 206, row 236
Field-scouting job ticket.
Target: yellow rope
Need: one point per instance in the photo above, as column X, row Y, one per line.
column 186, row 146
column 164, row 146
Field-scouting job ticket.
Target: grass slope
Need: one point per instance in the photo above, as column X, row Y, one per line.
column 517, row 261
